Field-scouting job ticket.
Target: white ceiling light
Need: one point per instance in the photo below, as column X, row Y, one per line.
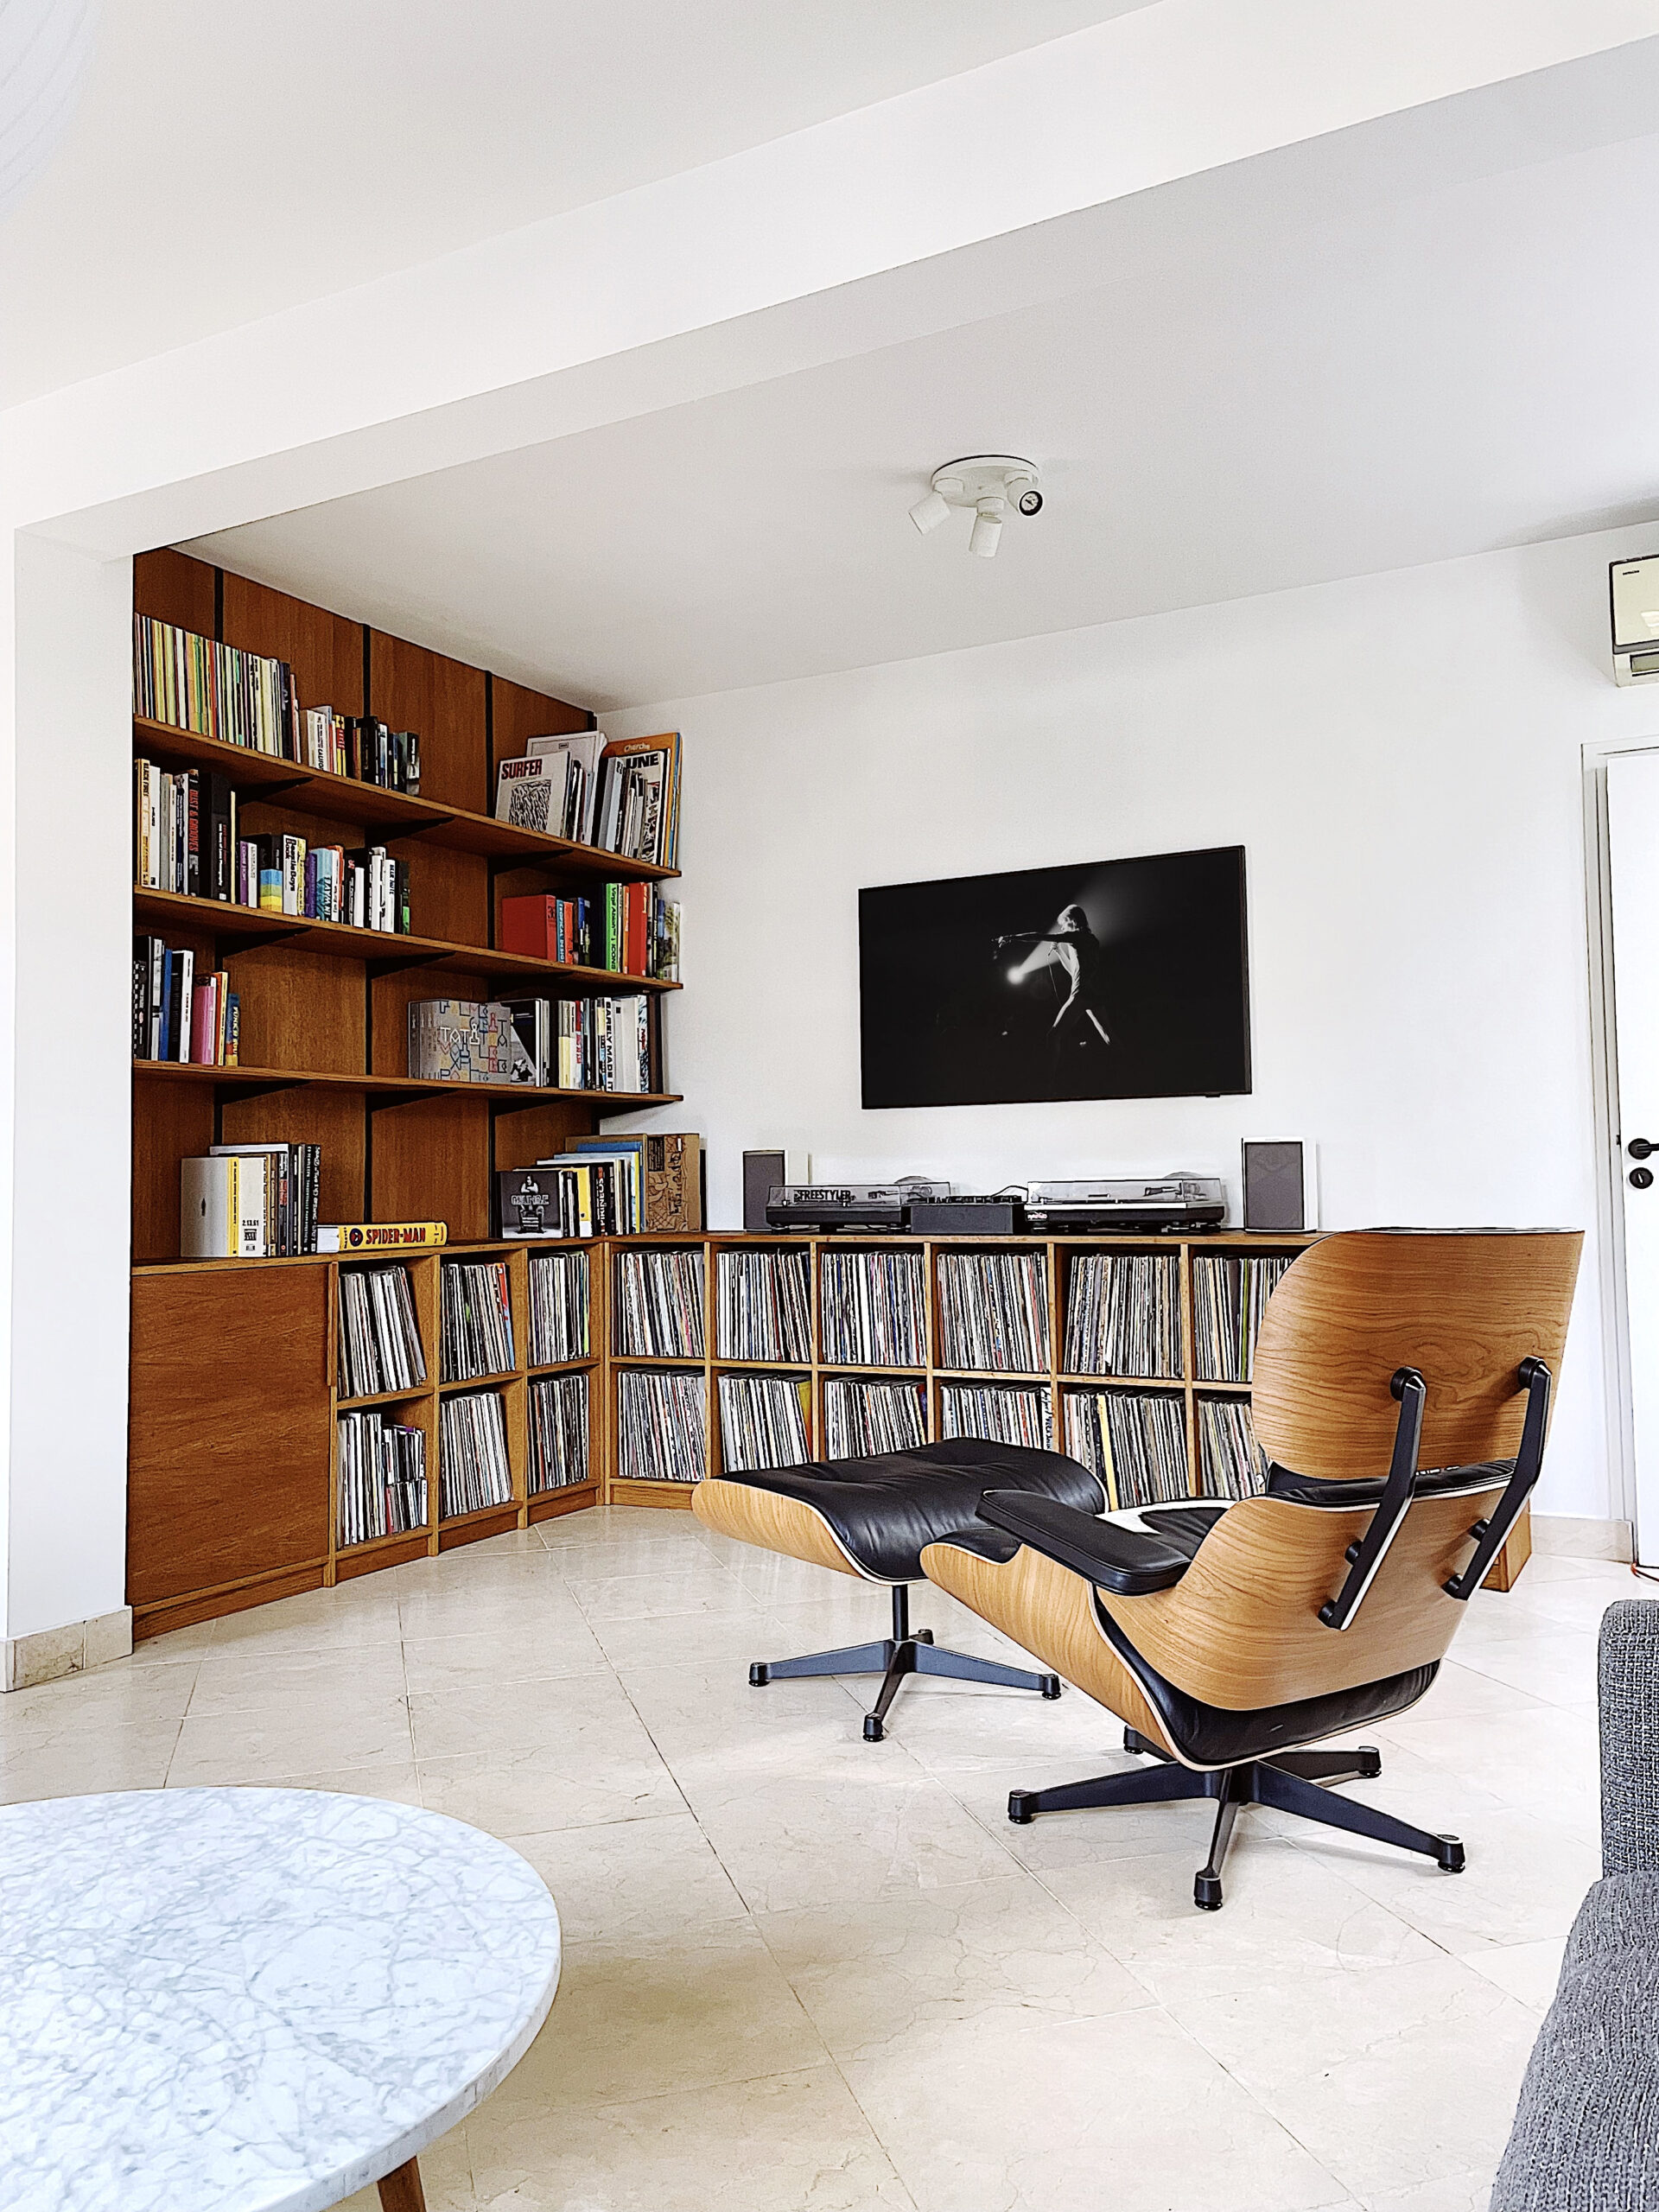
column 45, row 47
column 988, row 484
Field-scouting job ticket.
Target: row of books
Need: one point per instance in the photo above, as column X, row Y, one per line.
column 253, row 701
column 184, row 831
column 381, row 1478
column 874, row 1309
column 605, row 1186
column 558, row 1432
column 475, row 1322
column 366, row 887
column 379, row 1338
column 861, row 1419
column 632, row 928
column 994, row 1312
column 1229, row 1295
column 250, row 1202
column 601, row 1044
column 1135, row 1442
column 473, row 1470
column 1123, row 1314
column 621, row 793
column 764, row 1305
column 659, row 1304
column 661, row 1414
column 997, row 1411
column 217, row 691
column 361, row 746
column 560, row 1320
column 765, row 1422
column 178, row 1016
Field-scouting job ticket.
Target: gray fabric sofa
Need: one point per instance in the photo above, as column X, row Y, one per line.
column 1586, row 2137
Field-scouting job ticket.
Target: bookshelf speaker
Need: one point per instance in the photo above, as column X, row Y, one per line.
column 761, row 1170
column 1275, row 1187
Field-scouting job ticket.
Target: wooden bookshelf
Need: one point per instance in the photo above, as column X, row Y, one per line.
column 1190, row 1385
column 232, row 1439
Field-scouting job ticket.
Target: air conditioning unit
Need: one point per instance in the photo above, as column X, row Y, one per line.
column 1635, row 594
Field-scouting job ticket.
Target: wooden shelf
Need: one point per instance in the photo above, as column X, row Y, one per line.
column 562, row 1366
column 484, row 1383
column 343, row 798
column 409, row 1086
column 385, row 948
column 1134, row 1382
column 370, row 1545
column 478, row 1513
column 383, row 1398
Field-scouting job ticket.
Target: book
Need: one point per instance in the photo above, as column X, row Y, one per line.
column 529, row 793
column 380, row 1236
column 292, row 1174
column 545, row 1201
column 533, row 1021
column 673, row 1190
column 222, row 1208
column 638, row 806
column 215, row 690
column 581, row 753
column 466, row 1041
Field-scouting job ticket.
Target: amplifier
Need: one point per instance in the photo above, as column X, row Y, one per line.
column 847, row 1205
column 965, row 1217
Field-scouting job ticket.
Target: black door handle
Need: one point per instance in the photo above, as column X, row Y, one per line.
column 1640, row 1147
column 1641, row 1179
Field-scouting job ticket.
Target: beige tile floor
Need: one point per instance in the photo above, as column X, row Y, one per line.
column 809, row 1975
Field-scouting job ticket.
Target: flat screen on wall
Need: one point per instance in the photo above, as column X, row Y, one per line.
column 1115, row 979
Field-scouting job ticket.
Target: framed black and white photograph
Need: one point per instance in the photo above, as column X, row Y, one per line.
column 1112, row 979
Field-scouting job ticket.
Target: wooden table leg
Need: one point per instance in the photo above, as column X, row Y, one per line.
column 402, row 2191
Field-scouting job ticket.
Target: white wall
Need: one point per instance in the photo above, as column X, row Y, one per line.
column 72, row 1097
column 1401, row 757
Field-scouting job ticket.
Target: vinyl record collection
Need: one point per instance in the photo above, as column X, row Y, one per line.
column 763, row 1422
column 381, row 1478
column 994, row 1312
column 764, row 1306
column 1136, row 1442
column 472, row 1451
column 873, row 1309
column 558, row 1432
column 380, row 1340
column 1228, row 1298
column 1231, row 1461
column 661, row 1416
column 560, row 1326
column 861, row 1419
column 477, row 1330
column 660, row 1305
column 995, row 1410
column 1123, row 1314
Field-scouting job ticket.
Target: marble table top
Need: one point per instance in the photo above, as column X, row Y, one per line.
column 250, row 2000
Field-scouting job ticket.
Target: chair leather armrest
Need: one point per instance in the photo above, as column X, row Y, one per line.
column 1126, row 1561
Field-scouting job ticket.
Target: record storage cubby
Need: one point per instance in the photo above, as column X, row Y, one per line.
column 215, row 1529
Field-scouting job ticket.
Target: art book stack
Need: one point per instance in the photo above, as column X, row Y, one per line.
column 622, row 794
column 250, row 1202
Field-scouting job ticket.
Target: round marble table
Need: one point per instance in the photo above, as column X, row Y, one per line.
column 252, row 2000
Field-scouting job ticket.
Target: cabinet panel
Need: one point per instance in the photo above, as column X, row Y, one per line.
column 228, row 1443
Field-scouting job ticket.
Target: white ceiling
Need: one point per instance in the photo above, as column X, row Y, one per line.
column 232, row 157
column 1393, row 379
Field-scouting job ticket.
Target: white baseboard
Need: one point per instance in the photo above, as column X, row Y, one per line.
column 51, row 1653
column 1578, row 1537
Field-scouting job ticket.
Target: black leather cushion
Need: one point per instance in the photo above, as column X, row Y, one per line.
column 1127, row 1561
column 883, row 1511
column 1311, row 1490
column 1208, row 1735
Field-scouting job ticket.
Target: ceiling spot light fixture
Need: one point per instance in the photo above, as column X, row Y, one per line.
column 988, row 486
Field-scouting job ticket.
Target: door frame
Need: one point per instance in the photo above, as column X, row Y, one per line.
column 1603, row 1081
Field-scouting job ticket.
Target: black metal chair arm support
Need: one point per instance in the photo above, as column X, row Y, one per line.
column 1368, row 1553
column 1491, row 1535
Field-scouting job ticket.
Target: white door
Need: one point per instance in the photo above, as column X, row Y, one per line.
column 1633, row 839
